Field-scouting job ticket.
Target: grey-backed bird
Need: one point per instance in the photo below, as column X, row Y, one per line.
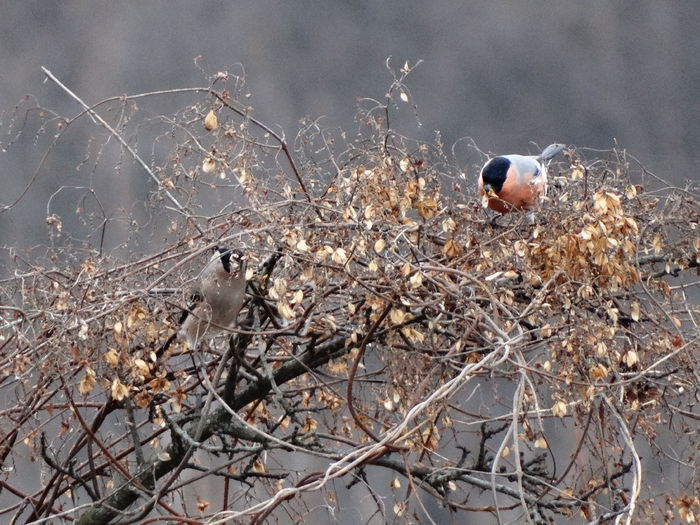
column 218, row 298
column 516, row 182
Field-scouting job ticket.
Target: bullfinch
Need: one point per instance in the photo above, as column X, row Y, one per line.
column 516, row 182
column 219, row 296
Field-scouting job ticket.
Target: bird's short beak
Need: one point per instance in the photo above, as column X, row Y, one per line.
column 488, row 193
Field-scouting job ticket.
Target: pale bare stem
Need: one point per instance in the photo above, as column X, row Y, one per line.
column 511, row 435
column 522, row 370
column 202, row 421
column 518, row 399
column 59, row 514
column 692, row 344
column 131, row 424
column 417, row 493
column 278, row 138
column 97, row 118
column 34, row 178
column 361, row 455
column 637, row 464
column 259, row 435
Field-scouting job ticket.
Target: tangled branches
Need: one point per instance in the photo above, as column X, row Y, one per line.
column 395, row 337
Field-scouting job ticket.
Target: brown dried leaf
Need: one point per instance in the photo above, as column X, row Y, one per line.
column 112, row 357
column 119, row 390
column 211, row 121
column 87, row 383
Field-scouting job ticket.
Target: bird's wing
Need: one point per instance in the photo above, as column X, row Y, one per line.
column 526, row 168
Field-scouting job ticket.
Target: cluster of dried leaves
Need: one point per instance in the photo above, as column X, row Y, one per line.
column 438, row 361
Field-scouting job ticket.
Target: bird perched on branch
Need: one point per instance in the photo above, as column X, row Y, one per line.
column 219, row 296
column 516, row 182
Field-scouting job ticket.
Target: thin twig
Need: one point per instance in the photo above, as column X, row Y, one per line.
column 95, row 116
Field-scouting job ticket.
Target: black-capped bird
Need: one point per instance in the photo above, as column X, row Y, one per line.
column 218, row 298
column 516, row 182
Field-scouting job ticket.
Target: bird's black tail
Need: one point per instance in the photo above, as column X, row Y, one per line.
column 551, row 151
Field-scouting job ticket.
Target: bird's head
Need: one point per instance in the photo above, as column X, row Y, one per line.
column 229, row 256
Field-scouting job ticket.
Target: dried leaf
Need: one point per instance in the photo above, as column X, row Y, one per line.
column 112, row 357
column 310, row 425
column 397, row 316
column 258, row 466
column 634, row 311
column 83, row 330
column 119, row 390
column 211, row 121
column 452, row 248
column 559, row 409
column 87, row 383
column 285, row 310
column 339, row 256
column 630, row 358
column 416, row 280
column 141, row 368
column 298, row 297
column 431, row 438
column 379, row 245
column 449, row 225
column 208, row 165
column 55, row 222
column 598, row 371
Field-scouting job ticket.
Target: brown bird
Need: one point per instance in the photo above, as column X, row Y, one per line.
column 218, row 299
column 516, row 182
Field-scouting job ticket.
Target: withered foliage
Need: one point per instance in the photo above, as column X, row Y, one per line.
column 400, row 347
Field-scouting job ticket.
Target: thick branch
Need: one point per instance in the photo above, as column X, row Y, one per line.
column 125, row 496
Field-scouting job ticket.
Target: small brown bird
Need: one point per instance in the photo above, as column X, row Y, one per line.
column 516, row 182
column 219, row 297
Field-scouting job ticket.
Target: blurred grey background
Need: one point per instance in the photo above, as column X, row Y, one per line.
column 505, row 73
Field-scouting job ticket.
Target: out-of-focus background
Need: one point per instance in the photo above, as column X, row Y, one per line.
column 506, row 74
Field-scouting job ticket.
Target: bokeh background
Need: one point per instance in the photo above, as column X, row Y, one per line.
column 507, row 74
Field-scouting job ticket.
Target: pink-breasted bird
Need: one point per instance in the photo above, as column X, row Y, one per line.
column 218, row 298
column 516, row 182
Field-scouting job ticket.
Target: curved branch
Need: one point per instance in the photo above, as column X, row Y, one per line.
column 110, row 507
